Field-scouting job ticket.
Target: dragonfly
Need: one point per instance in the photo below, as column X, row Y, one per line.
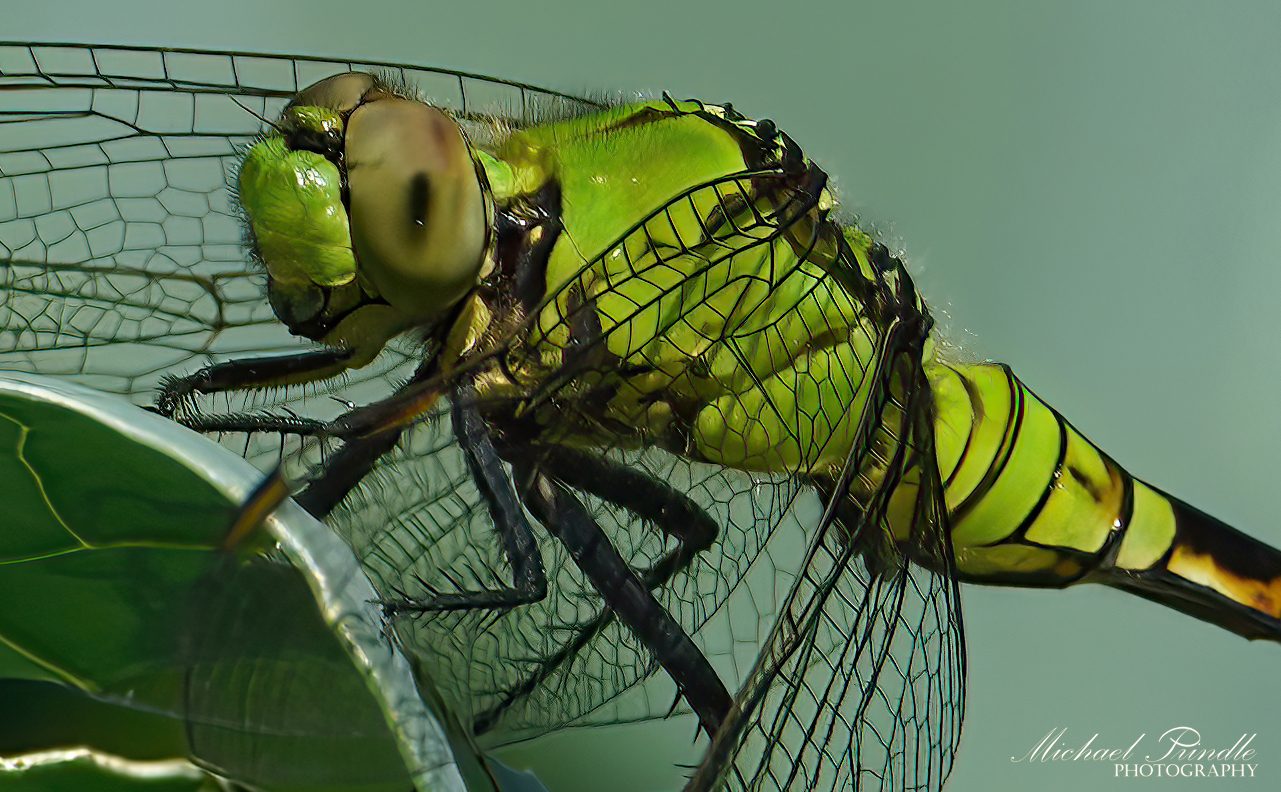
column 600, row 392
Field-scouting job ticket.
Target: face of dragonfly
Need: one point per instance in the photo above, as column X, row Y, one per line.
column 368, row 209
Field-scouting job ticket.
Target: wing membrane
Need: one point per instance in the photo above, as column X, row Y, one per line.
column 422, row 519
column 861, row 682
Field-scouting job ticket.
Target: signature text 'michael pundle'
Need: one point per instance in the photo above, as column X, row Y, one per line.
column 1181, row 744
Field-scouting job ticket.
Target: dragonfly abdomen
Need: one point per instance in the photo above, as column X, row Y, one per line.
column 1033, row 502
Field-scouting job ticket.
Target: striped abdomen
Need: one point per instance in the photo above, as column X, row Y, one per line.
column 1033, row 503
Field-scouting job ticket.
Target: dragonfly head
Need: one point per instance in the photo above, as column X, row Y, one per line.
column 364, row 198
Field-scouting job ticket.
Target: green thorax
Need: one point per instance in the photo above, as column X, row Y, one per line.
column 727, row 335
column 614, row 168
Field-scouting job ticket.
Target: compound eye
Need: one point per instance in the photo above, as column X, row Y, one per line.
column 416, row 205
column 341, row 93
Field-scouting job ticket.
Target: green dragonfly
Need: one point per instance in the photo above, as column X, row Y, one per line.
column 596, row 390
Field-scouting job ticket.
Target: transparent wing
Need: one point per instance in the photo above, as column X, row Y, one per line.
column 861, row 683
column 849, row 672
column 122, row 244
column 420, row 521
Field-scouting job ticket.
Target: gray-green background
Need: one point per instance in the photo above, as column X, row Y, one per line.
column 1089, row 191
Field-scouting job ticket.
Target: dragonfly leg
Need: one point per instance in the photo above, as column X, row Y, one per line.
column 529, row 582
column 343, row 471
column 250, row 423
column 625, row 594
column 347, row 467
column 643, row 495
column 249, row 373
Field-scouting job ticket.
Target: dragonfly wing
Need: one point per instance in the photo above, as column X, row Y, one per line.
column 861, row 684
column 423, row 527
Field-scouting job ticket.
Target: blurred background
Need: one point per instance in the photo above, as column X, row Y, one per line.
column 1088, row 192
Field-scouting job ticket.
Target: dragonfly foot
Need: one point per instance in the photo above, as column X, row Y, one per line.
column 498, row 600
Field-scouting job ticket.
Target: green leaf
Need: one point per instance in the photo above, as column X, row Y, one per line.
column 43, row 715
column 277, row 666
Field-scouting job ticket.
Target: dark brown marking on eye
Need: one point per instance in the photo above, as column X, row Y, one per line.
column 418, row 200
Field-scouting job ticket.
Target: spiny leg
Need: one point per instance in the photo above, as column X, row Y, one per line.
column 529, row 582
column 342, row 471
column 625, row 594
column 339, row 474
column 644, row 496
column 345, row 469
column 251, row 373
column 255, row 423
column 636, row 491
